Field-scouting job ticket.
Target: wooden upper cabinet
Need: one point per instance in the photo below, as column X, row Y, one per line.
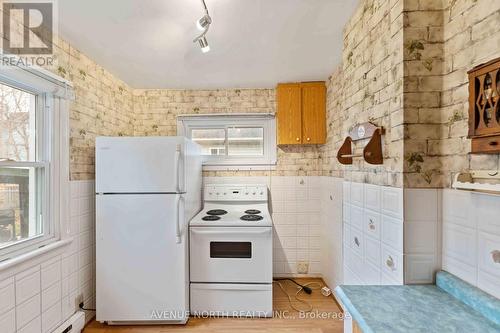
column 313, row 113
column 289, row 117
column 301, row 113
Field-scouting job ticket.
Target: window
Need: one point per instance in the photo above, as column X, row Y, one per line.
column 30, row 146
column 234, row 141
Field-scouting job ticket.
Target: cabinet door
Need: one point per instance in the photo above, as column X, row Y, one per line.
column 289, row 114
column 313, row 113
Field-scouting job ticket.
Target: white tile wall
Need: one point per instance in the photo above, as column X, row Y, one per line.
column 331, row 216
column 422, row 234
column 471, row 232
column 40, row 294
column 373, row 234
column 391, row 236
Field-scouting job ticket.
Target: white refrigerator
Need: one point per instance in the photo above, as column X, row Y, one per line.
column 147, row 190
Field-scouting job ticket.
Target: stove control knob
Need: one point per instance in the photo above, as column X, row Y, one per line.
column 253, row 193
column 261, row 193
column 225, row 193
column 246, row 193
column 218, row 193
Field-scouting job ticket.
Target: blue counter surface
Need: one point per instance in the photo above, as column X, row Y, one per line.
column 419, row 308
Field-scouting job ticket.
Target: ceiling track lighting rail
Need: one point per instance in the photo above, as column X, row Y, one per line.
column 203, row 24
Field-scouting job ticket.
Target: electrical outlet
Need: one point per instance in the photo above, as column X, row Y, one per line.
column 302, row 267
column 78, row 300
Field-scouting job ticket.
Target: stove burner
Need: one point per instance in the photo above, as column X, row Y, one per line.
column 210, row 218
column 252, row 211
column 217, row 212
column 251, row 218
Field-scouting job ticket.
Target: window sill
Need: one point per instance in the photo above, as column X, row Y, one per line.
column 239, row 167
column 9, row 263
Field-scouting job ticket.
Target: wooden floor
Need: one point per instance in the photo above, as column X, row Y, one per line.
column 322, row 306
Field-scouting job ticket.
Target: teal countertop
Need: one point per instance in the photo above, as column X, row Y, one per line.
column 413, row 308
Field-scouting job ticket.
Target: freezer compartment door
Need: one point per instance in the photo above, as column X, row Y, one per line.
column 140, row 164
column 141, row 258
column 233, row 300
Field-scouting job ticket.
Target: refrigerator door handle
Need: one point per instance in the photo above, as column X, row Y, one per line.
column 177, row 161
column 178, row 238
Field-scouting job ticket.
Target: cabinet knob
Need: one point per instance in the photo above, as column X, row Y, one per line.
column 308, row 139
column 297, row 139
column 372, row 225
column 356, row 241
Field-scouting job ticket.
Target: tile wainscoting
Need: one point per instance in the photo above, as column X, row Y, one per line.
column 471, row 235
column 38, row 295
column 41, row 293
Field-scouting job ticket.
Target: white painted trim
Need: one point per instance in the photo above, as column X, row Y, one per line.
column 76, row 321
column 226, row 115
column 36, row 78
column 265, row 120
column 53, row 146
column 239, row 167
column 30, row 255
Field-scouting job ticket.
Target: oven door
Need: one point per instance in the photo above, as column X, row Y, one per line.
column 231, row 254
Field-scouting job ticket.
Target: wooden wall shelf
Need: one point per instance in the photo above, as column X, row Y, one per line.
column 372, row 152
column 487, row 181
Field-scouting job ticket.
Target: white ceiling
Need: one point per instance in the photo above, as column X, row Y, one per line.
column 254, row 43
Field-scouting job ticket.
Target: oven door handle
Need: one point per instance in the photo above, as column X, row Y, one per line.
column 222, row 231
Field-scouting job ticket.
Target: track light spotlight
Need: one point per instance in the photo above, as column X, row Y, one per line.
column 204, row 44
column 202, row 23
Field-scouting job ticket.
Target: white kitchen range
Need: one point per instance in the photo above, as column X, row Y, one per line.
column 231, row 252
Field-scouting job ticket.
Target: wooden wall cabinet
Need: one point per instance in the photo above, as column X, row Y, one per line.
column 301, row 113
column 484, row 107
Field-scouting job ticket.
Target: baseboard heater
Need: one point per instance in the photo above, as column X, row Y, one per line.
column 74, row 324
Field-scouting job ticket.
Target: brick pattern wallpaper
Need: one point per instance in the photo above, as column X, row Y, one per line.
column 368, row 86
column 156, row 111
column 404, row 67
column 443, row 40
column 103, row 106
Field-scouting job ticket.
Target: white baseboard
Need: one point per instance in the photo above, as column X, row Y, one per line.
column 74, row 324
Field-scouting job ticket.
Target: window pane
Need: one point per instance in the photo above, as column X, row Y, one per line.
column 245, row 141
column 17, row 124
column 18, row 204
column 211, row 140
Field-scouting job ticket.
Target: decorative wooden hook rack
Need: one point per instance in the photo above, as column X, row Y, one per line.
column 372, row 152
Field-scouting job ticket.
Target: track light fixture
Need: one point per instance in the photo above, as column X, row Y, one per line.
column 204, row 44
column 203, row 24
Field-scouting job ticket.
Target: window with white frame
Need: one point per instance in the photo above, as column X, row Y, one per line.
column 232, row 141
column 31, row 155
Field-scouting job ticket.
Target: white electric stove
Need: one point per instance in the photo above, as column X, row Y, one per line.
column 231, row 253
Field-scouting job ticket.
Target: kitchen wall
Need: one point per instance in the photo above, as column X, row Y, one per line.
column 471, row 238
column 103, row 103
column 156, row 111
column 41, row 293
column 103, row 106
column 368, row 86
column 443, row 40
